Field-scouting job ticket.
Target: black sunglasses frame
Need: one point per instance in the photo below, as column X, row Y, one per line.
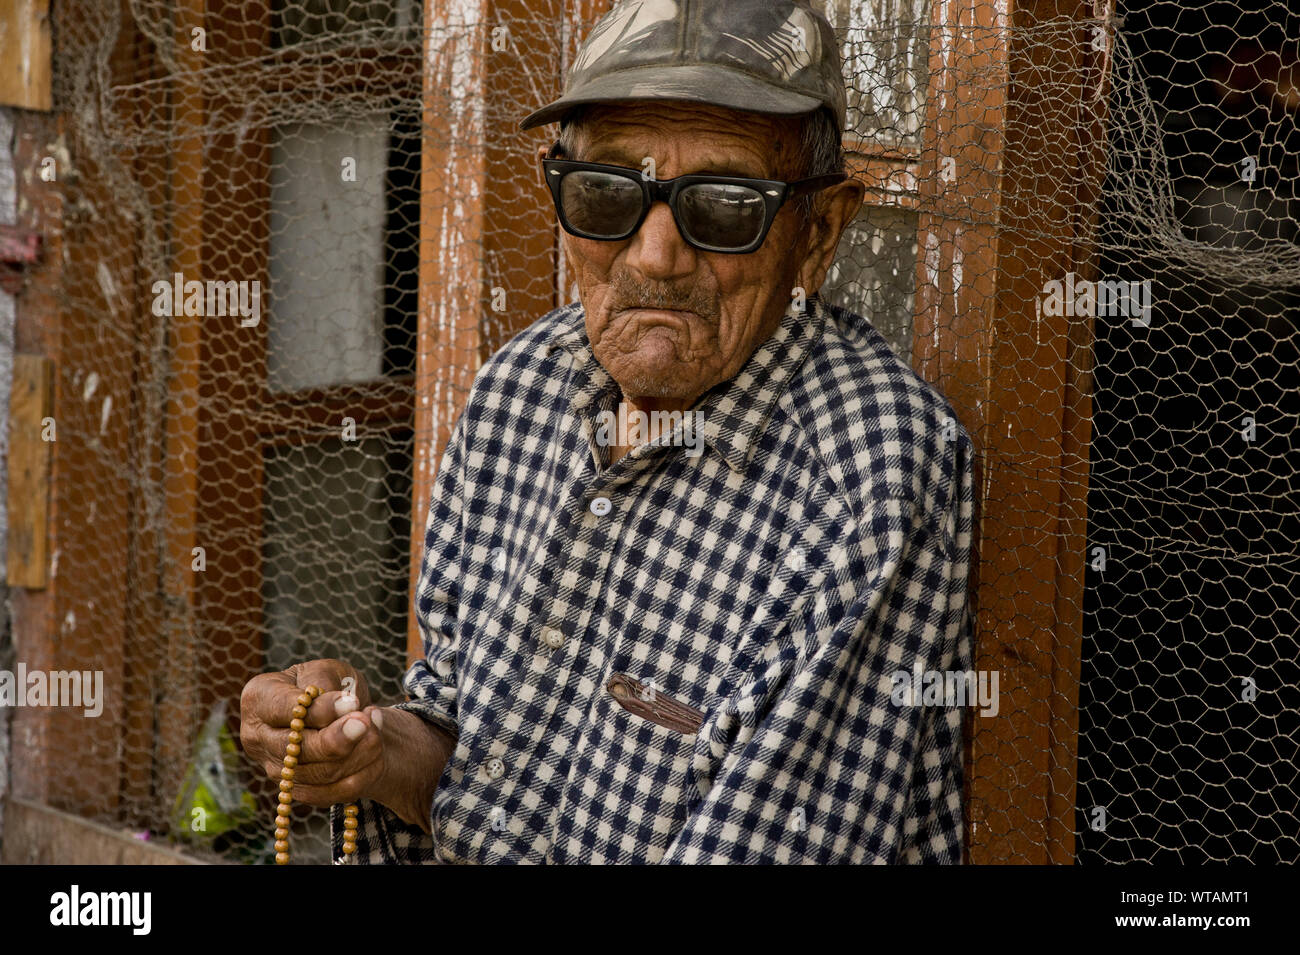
column 775, row 194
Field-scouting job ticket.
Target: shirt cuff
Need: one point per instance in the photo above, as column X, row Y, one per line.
column 383, row 838
column 431, row 712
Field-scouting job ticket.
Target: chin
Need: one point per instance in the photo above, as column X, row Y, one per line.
column 652, row 386
column 648, row 388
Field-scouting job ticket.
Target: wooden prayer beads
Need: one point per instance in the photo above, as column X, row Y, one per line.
column 291, row 754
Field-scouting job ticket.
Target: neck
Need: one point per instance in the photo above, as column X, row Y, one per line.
column 647, row 405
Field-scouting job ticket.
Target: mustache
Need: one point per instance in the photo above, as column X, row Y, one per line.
column 628, row 292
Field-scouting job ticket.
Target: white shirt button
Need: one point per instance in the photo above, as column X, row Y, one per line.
column 495, row 768
column 553, row 638
column 600, row 506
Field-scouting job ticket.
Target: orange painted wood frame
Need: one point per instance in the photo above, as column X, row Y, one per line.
column 1016, row 109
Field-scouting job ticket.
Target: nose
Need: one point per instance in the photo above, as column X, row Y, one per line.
column 658, row 250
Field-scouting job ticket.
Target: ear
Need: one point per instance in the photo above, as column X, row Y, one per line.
column 541, row 173
column 833, row 210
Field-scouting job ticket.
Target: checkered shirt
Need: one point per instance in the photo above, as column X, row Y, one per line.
column 776, row 583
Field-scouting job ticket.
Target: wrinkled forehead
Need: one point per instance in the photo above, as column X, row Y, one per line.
column 726, row 141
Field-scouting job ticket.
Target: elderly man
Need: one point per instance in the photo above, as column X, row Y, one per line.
column 687, row 533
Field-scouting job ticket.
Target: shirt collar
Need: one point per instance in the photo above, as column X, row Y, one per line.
column 735, row 412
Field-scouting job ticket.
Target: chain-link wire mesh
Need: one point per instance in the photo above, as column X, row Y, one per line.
column 1081, row 226
column 1190, row 712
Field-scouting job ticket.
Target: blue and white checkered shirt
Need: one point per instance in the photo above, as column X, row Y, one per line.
column 692, row 657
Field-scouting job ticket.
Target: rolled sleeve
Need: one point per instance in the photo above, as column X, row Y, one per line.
column 431, row 682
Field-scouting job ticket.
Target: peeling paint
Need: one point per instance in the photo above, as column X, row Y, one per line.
column 106, row 285
column 956, row 269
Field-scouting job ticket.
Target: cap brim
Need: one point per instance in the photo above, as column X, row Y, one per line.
column 702, row 83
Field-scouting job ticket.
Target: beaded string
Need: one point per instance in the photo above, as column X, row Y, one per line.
column 291, row 753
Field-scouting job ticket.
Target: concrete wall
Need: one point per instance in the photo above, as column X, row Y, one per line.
column 39, row 835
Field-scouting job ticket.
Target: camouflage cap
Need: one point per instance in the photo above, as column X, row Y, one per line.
column 765, row 56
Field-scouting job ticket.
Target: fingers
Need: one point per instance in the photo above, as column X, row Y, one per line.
column 270, row 698
column 274, row 697
column 346, row 768
column 332, row 705
column 343, row 747
column 277, row 710
column 267, row 700
column 332, row 676
column 348, row 789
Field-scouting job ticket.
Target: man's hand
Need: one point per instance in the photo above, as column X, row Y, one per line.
column 350, row 749
column 342, row 754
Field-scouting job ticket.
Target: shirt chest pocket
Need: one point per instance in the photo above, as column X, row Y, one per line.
column 629, row 783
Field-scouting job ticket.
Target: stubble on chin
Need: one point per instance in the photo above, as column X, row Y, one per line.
column 656, row 356
column 655, row 359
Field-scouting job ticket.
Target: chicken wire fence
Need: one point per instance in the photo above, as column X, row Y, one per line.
column 264, row 459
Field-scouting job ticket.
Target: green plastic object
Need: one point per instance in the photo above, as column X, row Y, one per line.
column 212, row 800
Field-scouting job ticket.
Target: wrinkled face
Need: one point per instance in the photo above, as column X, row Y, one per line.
column 667, row 320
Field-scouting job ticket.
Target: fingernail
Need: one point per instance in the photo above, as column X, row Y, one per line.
column 346, row 703
column 354, row 729
column 377, row 717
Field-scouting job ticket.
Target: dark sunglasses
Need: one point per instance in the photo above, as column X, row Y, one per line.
column 713, row 213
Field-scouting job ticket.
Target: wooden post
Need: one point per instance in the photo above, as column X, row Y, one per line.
column 77, row 623
column 25, row 74
column 37, row 330
column 31, row 430
column 178, row 691
column 1013, row 109
column 486, row 230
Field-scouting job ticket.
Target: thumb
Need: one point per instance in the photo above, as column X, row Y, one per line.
column 337, row 740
